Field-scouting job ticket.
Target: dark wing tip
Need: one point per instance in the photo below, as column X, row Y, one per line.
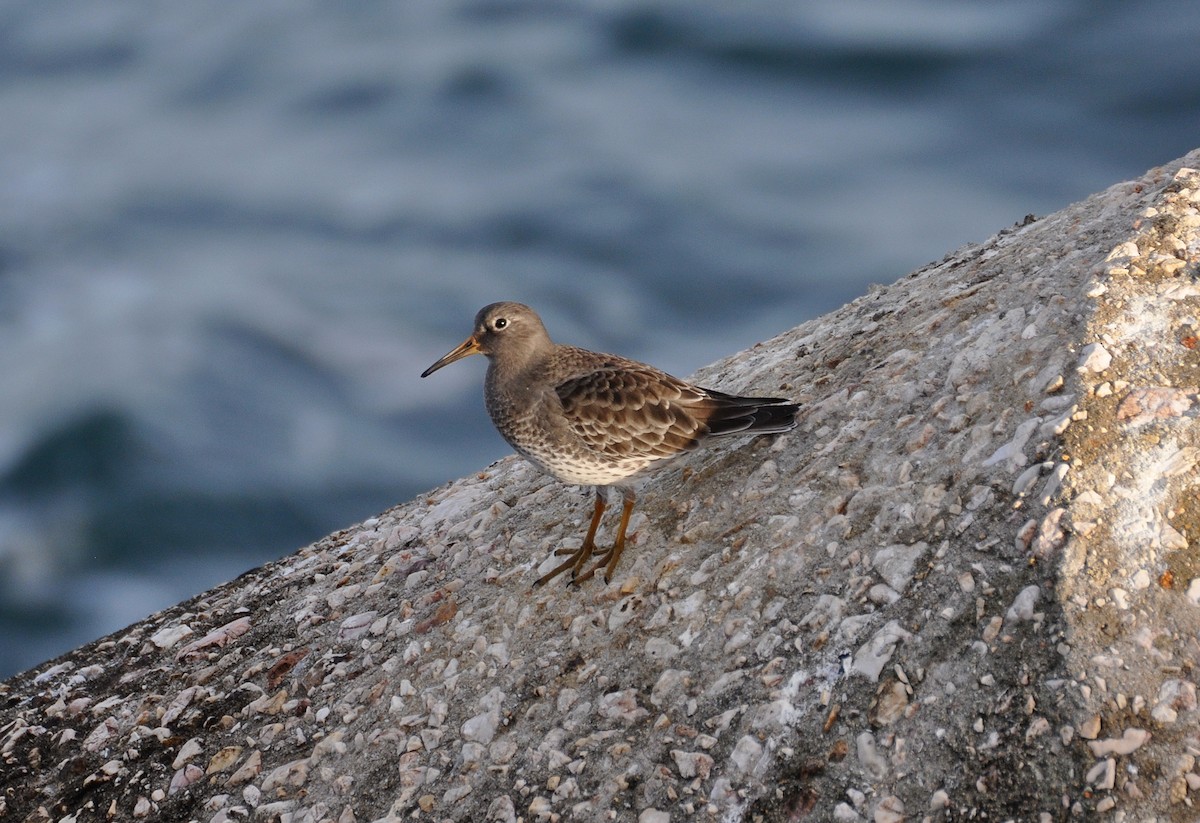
column 730, row 414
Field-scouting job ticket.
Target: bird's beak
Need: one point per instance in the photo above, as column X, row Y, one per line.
column 467, row 348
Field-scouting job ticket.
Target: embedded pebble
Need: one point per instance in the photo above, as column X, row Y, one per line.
column 889, row 810
column 891, row 705
column 185, row 777
column 217, row 638
column 187, row 751
column 1094, row 358
column 455, row 793
column 482, row 727
column 1131, row 740
column 1126, row 249
column 294, row 773
column 1193, row 591
column 1027, row 478
column 692, row 764
column 167, row 637
column 1155, row 403
column 1053, row 483
column 883, row 594
column 1090, row 728
column 746, row 755
column 1038, row 727
column 671, row 684
column 869, row 756
column 1103, row 775
column 1174, row 696
column 1013, row 452
column 874, row 655
column 249, row 769
column 501, row 809
column 895, row 564
column 356, row 625
column 101, row 735
column 1055, row 426
column 1164, row 713
column 621, row 706
column 660, row 649
column 223, row 759
column 1179, row 462
column 1022, row 606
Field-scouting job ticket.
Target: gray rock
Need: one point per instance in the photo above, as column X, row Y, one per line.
column 404, row 668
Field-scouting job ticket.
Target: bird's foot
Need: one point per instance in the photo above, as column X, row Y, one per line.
column 557, row 570
column 574, row 552
column 608, row 561
column 576, row 558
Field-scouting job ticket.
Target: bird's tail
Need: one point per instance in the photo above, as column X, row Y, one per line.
column 729, row 414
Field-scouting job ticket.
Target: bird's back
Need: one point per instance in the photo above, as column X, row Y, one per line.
column 599, row 419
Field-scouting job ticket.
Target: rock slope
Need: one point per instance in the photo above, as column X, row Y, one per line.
column 965, row 587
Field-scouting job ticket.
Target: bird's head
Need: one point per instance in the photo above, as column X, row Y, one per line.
column 507, row 332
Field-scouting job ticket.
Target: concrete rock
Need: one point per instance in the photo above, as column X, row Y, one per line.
column 404, row 668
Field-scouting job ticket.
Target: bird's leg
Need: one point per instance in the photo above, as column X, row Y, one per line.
column 610, row 558
column 579, row 556
column 590, row 540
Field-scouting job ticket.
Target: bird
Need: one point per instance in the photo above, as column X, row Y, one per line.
column 593, row 419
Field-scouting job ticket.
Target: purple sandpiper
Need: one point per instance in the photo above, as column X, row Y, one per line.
column 596, row 419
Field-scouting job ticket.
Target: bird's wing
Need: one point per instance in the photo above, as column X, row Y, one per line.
column 633, row 412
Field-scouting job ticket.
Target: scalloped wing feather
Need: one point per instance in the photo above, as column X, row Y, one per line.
column 637, row 413
column 632, row 412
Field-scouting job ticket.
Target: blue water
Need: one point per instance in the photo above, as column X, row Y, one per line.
column 232, row 235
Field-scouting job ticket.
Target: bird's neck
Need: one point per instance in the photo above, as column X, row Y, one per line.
column 504, row 373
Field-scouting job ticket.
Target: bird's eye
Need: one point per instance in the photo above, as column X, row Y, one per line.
column 499, row 323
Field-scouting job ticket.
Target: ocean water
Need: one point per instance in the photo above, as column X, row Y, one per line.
column 232, row 235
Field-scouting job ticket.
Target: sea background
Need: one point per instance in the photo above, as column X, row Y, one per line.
column 233, row 234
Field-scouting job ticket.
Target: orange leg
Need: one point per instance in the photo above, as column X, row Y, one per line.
column 610, row 558
column 578, row 557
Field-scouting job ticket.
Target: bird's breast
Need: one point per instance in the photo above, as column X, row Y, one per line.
column 533, row 422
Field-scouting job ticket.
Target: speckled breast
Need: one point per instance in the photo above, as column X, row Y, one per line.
column 545, row 440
